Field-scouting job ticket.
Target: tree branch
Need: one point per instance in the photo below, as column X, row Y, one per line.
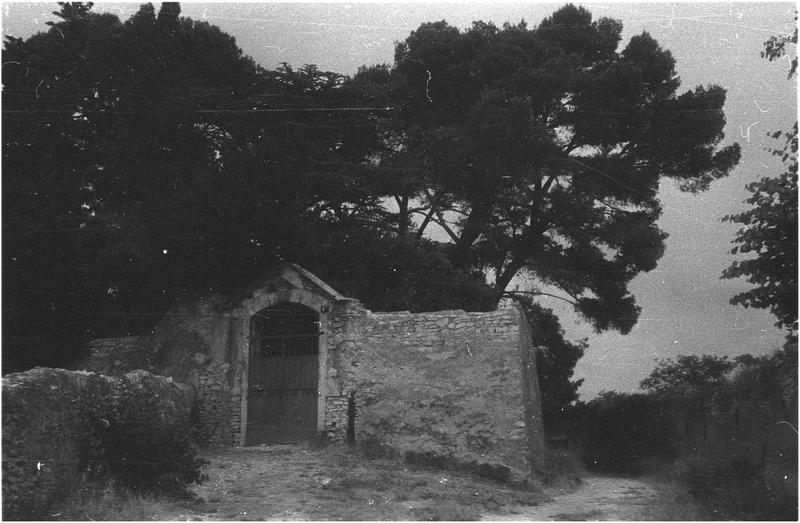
column 510, row 294
column 443, row 224
column 425, row 222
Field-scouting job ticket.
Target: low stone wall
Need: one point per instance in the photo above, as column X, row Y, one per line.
column 445, row 387
column 118, row 356
column 187, row 345
column 51, row 419
column 457, row 386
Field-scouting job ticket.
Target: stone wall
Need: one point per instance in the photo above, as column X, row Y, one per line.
column 51, row 421
column 191, row 344
column 117, row 356
column 459, row 386
column 447, row 386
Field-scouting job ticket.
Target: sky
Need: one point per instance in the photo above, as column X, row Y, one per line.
column 684, row 302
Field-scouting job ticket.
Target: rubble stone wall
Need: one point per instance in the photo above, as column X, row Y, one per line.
column 117, row 356
column 190, row 345
column 445, row 386
column 459, row 386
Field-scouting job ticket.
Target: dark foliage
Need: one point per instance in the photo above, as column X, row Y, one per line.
column 539, row 150
column 139, row 168
column 769, row 229
column 769, row 232
column 389, row 273
column 736, row 491
column 775, row 48
column 145, row 448
column 620, row 431
column 732, row 440
column 107, row 175
column 62, row 429
column 138, row 435
column 695, row 371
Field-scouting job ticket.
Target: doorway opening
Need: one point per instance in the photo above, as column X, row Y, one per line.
column 283, row 376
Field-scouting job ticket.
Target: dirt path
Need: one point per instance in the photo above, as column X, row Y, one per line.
column 600, row 498
column 297, row 483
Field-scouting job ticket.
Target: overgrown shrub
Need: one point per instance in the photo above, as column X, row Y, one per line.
column 736, row 490
column 735, row 439
column 617, row 431
column 61, row 428
column 148, row 442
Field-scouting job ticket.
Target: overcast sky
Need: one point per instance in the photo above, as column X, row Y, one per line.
column 684, row 304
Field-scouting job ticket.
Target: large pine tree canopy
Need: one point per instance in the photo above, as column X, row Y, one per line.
column 540, row 150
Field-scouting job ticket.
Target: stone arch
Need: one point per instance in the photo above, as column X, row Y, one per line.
column 291, row 289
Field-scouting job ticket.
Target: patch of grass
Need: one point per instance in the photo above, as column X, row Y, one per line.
column 418, row 493
column 110, row 502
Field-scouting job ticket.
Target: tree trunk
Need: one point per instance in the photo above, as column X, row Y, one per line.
column 403, row 220
column 473, row 228
column 502, row 280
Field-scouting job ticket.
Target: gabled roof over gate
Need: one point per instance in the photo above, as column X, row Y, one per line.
column 301, row 278
column 289, row 276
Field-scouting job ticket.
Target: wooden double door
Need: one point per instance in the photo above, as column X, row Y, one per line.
column 283, row 376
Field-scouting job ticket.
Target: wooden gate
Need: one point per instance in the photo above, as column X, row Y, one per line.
column 284, row 375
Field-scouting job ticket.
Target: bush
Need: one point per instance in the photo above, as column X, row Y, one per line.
column 733, row 443
column 619, row 430
column 736, row 490
column 62, row 428
column 147, row 442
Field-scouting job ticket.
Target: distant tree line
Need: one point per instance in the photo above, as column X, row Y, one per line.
column 724, row 428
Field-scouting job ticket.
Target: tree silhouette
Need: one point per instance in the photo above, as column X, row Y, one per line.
column 770, row 226
column 695, row 371
column 139, row 167
column 149, row 160
column 539, row 151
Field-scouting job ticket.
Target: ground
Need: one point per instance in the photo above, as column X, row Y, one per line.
column 287, row 482
column 599, row 498
column 300, row 483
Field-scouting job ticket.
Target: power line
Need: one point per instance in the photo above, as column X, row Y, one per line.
column 82, row 112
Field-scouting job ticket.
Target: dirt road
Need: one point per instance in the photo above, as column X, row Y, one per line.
column 600, row 498
column 297, row 483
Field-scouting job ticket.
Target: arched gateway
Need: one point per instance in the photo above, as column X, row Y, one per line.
column 289, row 359
column 283, row 375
